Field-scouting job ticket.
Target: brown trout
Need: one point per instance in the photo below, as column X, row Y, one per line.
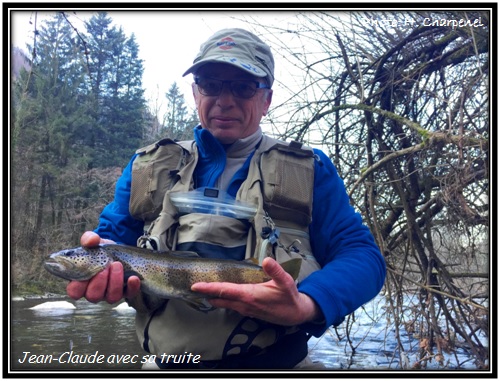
column 163, row 274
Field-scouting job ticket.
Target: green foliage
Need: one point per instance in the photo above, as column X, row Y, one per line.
column 177, row 123
column 116, row 84
column 78, row 115
column 77, row 118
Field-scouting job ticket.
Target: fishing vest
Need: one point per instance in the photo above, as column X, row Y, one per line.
column 279, row 184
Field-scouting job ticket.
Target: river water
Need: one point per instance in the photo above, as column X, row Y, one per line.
column 58, row 338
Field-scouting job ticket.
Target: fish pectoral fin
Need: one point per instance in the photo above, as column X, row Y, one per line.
column 292, row 267
column 199, row 303
column 128, row 273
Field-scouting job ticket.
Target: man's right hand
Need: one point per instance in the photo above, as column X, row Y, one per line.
column 106, row 285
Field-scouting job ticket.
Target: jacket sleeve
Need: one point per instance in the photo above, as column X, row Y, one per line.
column 115, row 221
column 353, row 269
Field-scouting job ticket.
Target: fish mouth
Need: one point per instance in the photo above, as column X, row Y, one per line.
column 56, row 268
column 62, row 271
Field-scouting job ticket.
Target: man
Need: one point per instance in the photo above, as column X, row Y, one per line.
column 302, row 211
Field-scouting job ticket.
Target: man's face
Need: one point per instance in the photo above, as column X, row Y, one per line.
column 226, row 116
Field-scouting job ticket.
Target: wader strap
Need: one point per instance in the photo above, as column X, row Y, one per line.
column 145, row 344
column 285, row 354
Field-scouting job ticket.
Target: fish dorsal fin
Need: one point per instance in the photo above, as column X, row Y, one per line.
column 253, row 261
column 184, row 254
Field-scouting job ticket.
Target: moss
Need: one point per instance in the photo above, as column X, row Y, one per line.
column 424, row 133
column 34, row 288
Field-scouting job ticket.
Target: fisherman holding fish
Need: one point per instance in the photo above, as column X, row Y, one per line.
column 232, row 195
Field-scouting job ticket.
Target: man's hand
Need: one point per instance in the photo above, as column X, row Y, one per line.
column 276, row 301
column 106, row 285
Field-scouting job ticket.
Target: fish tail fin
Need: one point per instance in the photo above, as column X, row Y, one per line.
column 292, row 267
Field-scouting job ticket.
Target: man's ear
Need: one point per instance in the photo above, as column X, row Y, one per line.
column 268, row 100
column 194, row 89
column 196, row 94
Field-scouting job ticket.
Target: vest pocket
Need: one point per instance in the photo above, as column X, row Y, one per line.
column 288, row 185
column 153, row 173
column 212, row 236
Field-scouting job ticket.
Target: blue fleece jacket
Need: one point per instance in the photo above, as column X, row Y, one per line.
column 353, row 270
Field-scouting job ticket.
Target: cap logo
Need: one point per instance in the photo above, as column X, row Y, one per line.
column 226, row 43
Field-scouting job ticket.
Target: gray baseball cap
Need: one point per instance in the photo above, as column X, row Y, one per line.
column 237, row 47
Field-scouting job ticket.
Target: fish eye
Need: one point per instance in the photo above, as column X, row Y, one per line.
column 68, row 253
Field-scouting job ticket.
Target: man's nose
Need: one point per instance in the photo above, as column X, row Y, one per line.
column 226, row 97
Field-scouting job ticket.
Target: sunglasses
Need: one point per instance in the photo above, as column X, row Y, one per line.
column 245, row 89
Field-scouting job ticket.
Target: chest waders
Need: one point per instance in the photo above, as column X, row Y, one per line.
column 280, row 184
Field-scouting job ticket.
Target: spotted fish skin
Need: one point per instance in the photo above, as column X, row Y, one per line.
column 163, row 274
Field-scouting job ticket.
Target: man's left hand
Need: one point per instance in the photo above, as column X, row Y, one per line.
column 276, row 301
